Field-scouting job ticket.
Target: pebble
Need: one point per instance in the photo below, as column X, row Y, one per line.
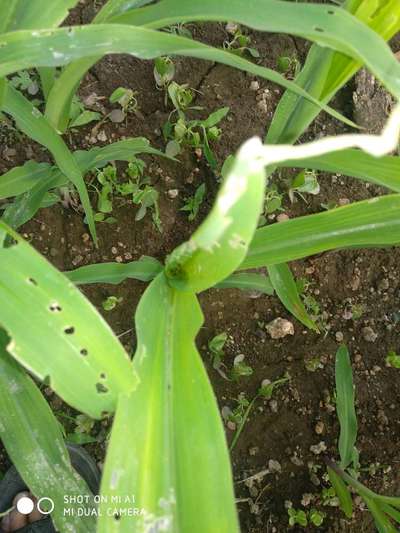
column 117, row 116
column 282, row 217
column 319, row 427
column 173, row 193
column 279, row 328
column 339, row 336
column 274, row 466
column 77, row 259
column 369, row 334
column 319, row 448
column 273, row 405
column 254, row 86
column 102, row 136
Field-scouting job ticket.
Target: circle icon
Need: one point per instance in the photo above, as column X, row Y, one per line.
column 25, row 505
column 43, row 500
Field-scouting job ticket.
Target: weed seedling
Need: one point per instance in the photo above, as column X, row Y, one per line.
column 305, row 182
column 194, row 202
column 111, row 303
column 392, row 359
column 289, row 66
column 384, row 509
column 79, row 116
column 164, row 72
column 241, row 45
column 127, row 100
column 138, row 187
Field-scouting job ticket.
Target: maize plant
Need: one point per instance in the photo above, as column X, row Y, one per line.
column 167, row 441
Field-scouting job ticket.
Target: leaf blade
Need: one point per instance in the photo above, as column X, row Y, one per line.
column 345, row 407
column 68, row 352
column 174, row 390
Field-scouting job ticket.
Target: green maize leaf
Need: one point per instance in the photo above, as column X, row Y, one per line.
column 382, row 171
column 21, row 179
column 345, row 406
column 285, row 287
column 145, row 269
column 47, row 79
column 25, row 206
column 173, row 427
column 35, row 125
column 389, row 510
column 117, row 7
column 34, row 443
column 247, row 282
column 220, row 244
column 3, row 87
column 374, row 222
column 76, row 350
column 342, row 492
column 325, row 72
column 23, row 15
column 24, row 49
column 382, row 522
column 326, row 25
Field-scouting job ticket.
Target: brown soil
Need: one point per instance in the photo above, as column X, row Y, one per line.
column 282, row 429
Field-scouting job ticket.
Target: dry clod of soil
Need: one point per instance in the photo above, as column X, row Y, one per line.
column 279, row 328
column 282, row 217
column 369, row 334
column 274, row 466
column 319, row 448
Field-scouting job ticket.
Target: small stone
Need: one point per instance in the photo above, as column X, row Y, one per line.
column 86, row 237
column 357, row 358
column 77, row 260
column 307, row 499
column 117, row 116
column 254, row 86
column 231, row 425
column 343, row 201
column 53, row 252
column 282, row 217
column 319, row 448
column 279, row 328
column 119, row 259
column 262, row 106
column 199, row 153
column 274, row 466
column 369, row 334
column 254, row 450
column 231, row 28
column 319, row 427
column 173, row 193
column 273, row 405
column 102, row 136
column 339, row 336
column 114, row 250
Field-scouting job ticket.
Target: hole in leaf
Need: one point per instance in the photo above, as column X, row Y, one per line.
column 103, row 376
column 117, row 517
column 47, row 381
column 69, row 331
column 321, row 30
column 32, row 282
column 55, row 308
column 101, row 389
column 84, row 352
column 330, row 12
